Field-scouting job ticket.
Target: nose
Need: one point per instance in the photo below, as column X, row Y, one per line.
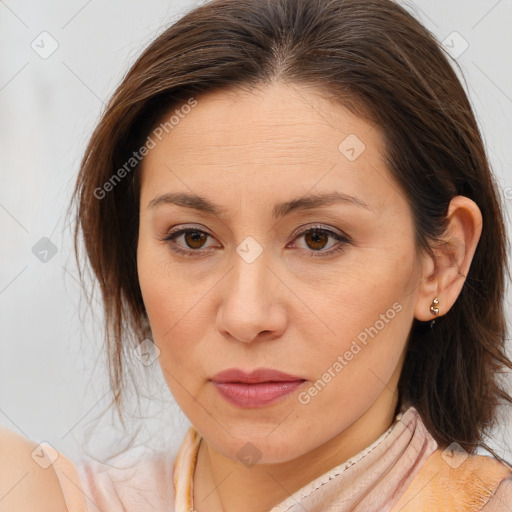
column 251, row 307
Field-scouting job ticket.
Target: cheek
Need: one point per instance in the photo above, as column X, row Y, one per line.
column 163, row 299
column 366, row 317
column 173, row 304
column 163, row 288
column 167, row 309
column 359, row 362
column 363, row 290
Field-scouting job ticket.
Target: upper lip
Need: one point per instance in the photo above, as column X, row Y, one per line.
column 258, row 375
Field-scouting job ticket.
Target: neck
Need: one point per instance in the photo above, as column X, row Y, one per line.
column 225, row 485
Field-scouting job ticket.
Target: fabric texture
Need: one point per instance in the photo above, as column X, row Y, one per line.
column 402, row 471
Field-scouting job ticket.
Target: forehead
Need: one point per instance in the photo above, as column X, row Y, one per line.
column 291, row 119
column 267, row 138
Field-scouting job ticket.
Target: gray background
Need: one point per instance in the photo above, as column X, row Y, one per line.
column 52, row 369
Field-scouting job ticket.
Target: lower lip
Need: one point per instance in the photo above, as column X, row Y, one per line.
column 256, row 395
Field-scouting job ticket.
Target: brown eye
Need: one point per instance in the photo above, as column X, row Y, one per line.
column 189, row 242
column 192, row 241
column 195, row 239
column 316, row 239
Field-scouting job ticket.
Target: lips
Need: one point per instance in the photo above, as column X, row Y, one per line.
column 258, row 388
column 254, row 377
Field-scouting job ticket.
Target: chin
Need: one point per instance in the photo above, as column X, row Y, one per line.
column 264, row 445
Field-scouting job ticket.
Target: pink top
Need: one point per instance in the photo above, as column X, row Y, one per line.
column 373, row 480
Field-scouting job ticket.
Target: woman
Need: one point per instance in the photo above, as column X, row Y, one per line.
column 291, row 199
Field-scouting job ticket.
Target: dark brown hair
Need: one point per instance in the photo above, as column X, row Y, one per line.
column 377, row 59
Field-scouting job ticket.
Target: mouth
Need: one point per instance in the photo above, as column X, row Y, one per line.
column 255, row 389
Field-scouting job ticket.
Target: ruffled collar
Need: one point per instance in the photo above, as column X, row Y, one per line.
column 373, row 479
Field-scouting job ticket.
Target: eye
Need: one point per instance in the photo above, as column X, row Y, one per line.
column 193, row 238
column 316, row 239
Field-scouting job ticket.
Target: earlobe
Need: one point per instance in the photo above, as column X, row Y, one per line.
column 434, row 307
column 443, row 279
column 428, row 291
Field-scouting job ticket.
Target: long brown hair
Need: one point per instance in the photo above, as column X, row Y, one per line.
column 377, row 59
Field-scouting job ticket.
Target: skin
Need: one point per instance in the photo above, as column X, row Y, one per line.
column 247, row 151
column 24, row 484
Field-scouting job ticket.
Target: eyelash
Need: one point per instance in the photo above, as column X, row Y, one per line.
column 312, row 254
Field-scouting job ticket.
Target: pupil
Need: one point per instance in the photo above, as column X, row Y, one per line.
column 196, row 237
column 317, row 237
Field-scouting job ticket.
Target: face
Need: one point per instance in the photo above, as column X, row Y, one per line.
column 262, row 274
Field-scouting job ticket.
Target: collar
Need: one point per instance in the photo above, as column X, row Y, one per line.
column 373, row 479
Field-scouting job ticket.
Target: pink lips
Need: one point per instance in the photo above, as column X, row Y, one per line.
column 255, row 389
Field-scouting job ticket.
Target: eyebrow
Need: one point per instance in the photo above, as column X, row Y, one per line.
column 280, row 210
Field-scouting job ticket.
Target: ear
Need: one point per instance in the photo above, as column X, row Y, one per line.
column 444, row 276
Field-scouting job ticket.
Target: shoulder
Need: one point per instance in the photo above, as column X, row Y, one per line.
column 28, row 480
column 452, row 479
column 138, row 479
column 502, row 499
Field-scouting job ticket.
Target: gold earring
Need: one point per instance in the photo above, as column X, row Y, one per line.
column 434, row 309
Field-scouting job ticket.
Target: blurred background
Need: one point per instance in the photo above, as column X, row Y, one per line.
column 59, row 64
